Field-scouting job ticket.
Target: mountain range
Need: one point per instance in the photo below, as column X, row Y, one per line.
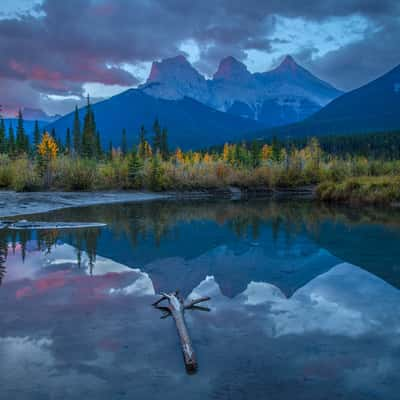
column 286, row 94
column 373, row 107
column 200, row 112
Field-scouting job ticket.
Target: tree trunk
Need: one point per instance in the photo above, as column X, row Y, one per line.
column 176, row 308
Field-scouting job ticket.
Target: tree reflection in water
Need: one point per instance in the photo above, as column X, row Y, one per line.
column 154, row 222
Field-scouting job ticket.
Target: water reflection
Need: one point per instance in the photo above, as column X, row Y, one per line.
column 274, row 242
column 289, row 318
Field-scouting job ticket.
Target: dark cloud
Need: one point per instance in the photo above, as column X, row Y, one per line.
column 354, row 65
column 78, row 41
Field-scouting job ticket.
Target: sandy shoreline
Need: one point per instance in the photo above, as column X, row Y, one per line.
column 13, row 203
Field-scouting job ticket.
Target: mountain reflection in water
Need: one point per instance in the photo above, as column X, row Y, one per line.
column 292, row 316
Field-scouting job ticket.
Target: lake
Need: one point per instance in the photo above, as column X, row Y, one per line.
column 305, row 303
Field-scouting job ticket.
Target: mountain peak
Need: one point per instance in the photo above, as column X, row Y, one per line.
column 171, row 68
column 174, row 78
column 231, row 69
column 287, row 64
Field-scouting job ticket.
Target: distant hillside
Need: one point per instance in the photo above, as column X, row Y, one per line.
column 30, row 114
column 190, row 124
column 370, row 108
column 28, row 125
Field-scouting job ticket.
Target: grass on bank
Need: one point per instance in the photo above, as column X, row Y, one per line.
column 352, row 179
column 361, row 190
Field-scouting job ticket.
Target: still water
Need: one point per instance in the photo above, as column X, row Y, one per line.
column 305, row 303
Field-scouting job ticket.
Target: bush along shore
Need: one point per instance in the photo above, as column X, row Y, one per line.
column 81, row 164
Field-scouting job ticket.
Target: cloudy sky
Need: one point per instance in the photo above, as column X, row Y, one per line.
column 54, row 52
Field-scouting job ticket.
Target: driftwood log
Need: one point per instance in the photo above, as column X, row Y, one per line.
column 175, row 307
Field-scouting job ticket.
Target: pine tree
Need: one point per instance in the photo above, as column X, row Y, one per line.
column 3, row 139
column 11, row 141
column 36, row 136
column 76, row 133
column 255, row 154
column 275, row 150
column 99, row 148
column 68, row 142
column 156, row 173
column 157, row 136
column 89, row 133
column 110, row 150
column 27, row 147
column 135, row 168
column 20, row 139
column 124, row 144
column 142, row 143
column 164, row 144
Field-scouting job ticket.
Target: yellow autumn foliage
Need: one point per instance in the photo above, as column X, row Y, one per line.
column 47, row 148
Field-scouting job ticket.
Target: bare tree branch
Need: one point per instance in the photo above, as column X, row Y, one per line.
column 196, row 301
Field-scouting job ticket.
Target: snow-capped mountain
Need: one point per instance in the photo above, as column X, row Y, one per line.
column 175, row 78
column 286, row 94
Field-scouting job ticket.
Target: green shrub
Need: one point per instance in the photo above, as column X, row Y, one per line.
column 6, row 171
column 24, row 176
column 76, row 174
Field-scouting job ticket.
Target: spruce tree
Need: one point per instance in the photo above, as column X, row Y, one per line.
column 142, row 143
column 99, row 148
column 76, row 133
column 110, row 150
column 164, row 144
column 26, row 144
column 124, row 144
column 156, row 173
column 68, row 142
column 255, row 154
column 275, row 150
column 89, row 133
column 11, row 140
column 20, row 139
column 135, row 168
column 157, row 136
column 36, row 136
column 3, row 139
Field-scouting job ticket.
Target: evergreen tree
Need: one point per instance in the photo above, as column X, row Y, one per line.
column 99, row 149
column 3, row 139
column 21, row 139
column 164, row 144
column 11, row 140
column 76, row 133
column 142, row 143
column 68, row 141
column 89, row 133
column 156, row 173
column 124, row 144
column 255, row 154
column 135, row 168
column 157, row 136
column 110, row 150
column 276, row 150
column 36, row 136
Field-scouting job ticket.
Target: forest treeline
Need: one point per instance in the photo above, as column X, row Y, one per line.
column 362, row 167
